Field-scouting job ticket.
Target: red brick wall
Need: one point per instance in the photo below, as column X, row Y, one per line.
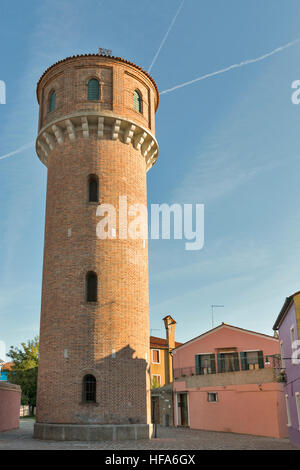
column 69, row 79
column 120, row 318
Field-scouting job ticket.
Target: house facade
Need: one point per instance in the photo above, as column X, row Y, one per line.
column 288, row 326
column 226, row 380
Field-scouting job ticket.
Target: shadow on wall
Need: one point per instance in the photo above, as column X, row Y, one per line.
column 119, row 393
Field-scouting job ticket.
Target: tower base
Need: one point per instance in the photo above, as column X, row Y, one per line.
column 92, row 432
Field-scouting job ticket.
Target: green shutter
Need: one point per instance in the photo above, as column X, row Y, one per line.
column 219, row 358
column 198, row 364
column 244, row 361
column 236, row 361
column 137, row 101
column 213, row 363
column 261, row 359
column 52, row 101
column 93, row 90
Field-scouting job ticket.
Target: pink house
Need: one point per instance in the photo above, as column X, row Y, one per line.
column 226, row 380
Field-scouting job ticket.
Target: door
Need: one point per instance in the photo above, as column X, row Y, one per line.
column 183, row 412
column 155, row 410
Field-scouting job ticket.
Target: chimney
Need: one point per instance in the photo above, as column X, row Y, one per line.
column 170, row 325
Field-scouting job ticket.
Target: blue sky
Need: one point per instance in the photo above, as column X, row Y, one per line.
column 230, row 142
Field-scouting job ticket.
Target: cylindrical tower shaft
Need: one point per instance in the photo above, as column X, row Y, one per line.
column 96, row 136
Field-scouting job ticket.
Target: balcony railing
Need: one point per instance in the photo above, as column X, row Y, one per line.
column 222, row 366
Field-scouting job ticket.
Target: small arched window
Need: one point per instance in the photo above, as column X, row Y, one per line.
column 137, row 101
column 93, row 89
column 93, row 188
column 91, row 287
column 52, row 101
column 89, row 389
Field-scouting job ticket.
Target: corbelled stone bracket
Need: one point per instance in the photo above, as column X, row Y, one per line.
column 103, row 126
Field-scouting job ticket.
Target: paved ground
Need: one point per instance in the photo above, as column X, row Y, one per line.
column 168, row 439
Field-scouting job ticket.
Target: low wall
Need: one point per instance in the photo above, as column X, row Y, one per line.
column 10, row 398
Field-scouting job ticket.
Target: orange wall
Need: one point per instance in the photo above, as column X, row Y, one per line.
column 161, row 368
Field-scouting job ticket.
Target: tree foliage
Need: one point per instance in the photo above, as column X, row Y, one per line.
column 24, row 370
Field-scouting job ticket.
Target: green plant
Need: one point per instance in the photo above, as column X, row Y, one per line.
column 24, row 370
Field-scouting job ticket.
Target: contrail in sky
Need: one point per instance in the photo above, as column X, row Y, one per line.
column 203, row 77
column 19, row 150
column 235, row 66
column 165, row 37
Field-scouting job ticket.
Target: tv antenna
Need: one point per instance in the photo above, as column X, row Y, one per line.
column 102, row 51
column 154, row 329
column 212, row 313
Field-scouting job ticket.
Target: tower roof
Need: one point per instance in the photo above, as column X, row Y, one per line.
column 119, row 59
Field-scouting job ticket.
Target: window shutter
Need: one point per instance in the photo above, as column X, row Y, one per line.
column 52, row 101
column 213, row 363
column 137, row 101
column 244, row 360
column 93, row 90
column 236, row 361
column 198, row 364
column 220, row 365
column 261, row 359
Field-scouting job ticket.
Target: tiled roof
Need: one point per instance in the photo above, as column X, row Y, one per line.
column 7, row 366
column 160, row 343
column 119, row 59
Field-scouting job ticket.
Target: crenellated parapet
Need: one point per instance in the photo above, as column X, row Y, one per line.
column 100, row 126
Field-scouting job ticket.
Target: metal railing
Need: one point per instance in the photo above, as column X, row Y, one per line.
column 222, row 366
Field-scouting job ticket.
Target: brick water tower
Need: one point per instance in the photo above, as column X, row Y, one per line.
column 97, row 139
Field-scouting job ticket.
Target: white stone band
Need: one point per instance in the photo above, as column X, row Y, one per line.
column 103, row 126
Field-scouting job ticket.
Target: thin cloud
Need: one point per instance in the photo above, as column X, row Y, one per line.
column 19, row 150
column 165, row 36
column 234, row 66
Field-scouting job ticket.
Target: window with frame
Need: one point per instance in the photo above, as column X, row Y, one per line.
column 93, row 188
column 282, row 354
column 252, row 360
column 292, row 333
column 137, row 101
column 155, row 356
column 228, row 362
column 205, row 364
column 91, row 287
column 52, row 102
column 155, row 380
column 212, row 397
column 93, row 90
column 89, row 388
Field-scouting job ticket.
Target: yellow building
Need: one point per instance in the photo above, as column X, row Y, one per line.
column 161, row 370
